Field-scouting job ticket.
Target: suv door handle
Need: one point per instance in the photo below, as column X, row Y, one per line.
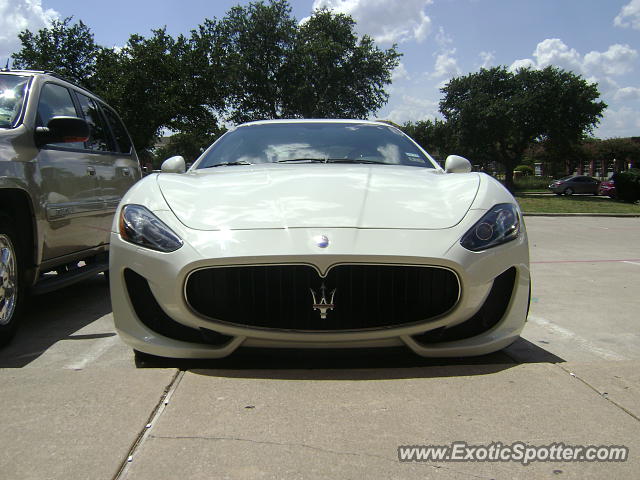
column 91, row 170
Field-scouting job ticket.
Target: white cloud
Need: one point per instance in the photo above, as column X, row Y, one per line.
column 17, row 15
column 627, row 94
column 553, row 51
column 446, row 65
column 629, row 15
column 443, row 40
column 621, row 122
column 617, row 60
column 386, row 21
column 606, row 85
column 399, row 73
column 522, row 63
column 488, row 59
column 412, row 109
column 597, row 66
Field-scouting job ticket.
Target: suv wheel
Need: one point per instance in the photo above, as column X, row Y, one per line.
column 10, row 282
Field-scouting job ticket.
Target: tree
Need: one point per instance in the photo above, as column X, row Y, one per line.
column 332, row 74
column 257, row 40
column 279, row 69
column 254, row 63
column 498, row 114
column 620, row 150
column 436, row 137
column 146, row 82
column 64, row 48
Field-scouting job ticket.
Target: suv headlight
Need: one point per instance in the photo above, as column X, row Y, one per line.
column 138, row 225
column 499, row 225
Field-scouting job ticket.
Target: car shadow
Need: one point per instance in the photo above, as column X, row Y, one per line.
column 55, row 316
column 354, row 364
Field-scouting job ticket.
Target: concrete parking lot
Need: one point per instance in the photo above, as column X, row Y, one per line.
column 76, row 406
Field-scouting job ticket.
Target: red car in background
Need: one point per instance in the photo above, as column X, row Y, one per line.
column 608, row 188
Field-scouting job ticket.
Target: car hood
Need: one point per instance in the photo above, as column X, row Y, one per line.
column 318, row 195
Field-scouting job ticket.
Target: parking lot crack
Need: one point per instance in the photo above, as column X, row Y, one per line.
column 600, row 394
column 153, row 418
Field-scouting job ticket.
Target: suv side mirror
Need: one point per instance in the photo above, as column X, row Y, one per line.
column 457, row 164
column 63, row 130
column 173, row 165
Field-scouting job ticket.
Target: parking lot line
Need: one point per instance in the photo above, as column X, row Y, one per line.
column 630, row 262
column 99, row 347
column 576, row 339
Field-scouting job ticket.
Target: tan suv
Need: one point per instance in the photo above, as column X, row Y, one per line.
column 66, row 159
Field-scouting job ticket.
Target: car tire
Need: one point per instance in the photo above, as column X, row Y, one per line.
column 11, row 281
column 568, row 191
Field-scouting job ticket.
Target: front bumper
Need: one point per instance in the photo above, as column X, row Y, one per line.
column 166, row 274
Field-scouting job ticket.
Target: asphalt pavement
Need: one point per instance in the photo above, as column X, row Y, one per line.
column 76, row 405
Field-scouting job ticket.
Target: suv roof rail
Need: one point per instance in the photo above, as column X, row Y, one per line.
column 44, row 72
column 51, row 73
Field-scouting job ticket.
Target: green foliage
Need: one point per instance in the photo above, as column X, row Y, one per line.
column 531, row 184
column 617, row 148
column 573, row 204
column 318, row 69
column 526, row 170
column 332, row 74
column 255, row 63
column 628, row 185
column 497, row 114
column 148, row 102
column 436, row 137
column 64, row 48
column 187, row 144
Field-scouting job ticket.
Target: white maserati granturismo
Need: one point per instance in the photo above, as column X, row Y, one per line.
column 318, row 234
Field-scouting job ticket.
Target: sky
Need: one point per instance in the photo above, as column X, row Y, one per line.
column 439, row 39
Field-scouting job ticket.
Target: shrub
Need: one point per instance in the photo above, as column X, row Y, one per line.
column 525, row 169
column 628, row 185
column 531, row 183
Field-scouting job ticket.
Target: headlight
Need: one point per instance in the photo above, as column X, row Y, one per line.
column 499, row 225
column 138, row 225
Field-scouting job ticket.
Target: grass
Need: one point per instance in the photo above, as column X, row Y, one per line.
column 573, row 204
column 532, row 184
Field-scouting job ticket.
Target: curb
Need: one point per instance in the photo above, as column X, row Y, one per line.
column 621, row 215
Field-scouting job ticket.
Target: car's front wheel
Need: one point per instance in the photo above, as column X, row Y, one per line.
column 568, row 191
column 11, row 292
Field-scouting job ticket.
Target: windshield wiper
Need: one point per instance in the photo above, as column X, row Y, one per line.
column 229, row 164
column 355, row 160
column 306, row 159
column 332, row 160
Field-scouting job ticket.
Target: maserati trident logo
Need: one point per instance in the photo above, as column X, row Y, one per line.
column 324, row 305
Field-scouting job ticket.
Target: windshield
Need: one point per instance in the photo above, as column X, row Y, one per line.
column 12, row 90
column 314, row 142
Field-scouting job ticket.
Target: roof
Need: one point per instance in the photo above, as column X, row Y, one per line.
column 314, row 120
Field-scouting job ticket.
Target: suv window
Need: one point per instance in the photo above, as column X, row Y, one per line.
column 12, row 89
column 122, row 137
column 55, row 100
column 100, row 138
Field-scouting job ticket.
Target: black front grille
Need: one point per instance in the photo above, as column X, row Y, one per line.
column 280, row 297
column 486, row 318
column 151, row 314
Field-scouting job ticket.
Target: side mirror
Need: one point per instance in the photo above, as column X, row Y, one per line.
column 63, row 130
column 457, row 164
column 173, row 165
